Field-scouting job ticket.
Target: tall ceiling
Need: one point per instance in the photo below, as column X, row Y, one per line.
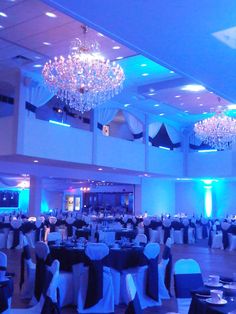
column 163, row 47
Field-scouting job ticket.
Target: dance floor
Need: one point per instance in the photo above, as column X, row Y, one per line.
column 211, row 261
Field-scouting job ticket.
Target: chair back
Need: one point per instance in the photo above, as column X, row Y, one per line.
column 54, row 236
column 187, row 275
column 96, row 251
column 167, row 223
column 141, row 238
column 151, row 250
column 3, row 265
column 16, row 224
column 42, row 250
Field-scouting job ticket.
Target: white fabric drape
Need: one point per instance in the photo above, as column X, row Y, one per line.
column 194, row 140
column 38, row 95
column 106, row 115
column 154, row 128
column 173, row 134
column 135, row 126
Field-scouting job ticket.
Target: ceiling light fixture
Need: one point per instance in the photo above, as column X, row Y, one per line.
column 193, row 88
column 218, row 131
column 51, row 14
column 83, row 79
column 46, row 43
column 145, row 74
column 3, row 14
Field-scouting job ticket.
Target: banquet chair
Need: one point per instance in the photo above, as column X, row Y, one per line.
column 27, row 284
column 69, row 226
column 15, row 236
column 141, row 238
column 146, row 278
column 216, row 237
column 166, row 232
column 96, row 294
column 225, row 233
column 177, row 229
column 5, row 304
column 133, row 306
column 54, row 236
column 187, row 277
column 165, row 271
column 232, row 241
column 48, row 302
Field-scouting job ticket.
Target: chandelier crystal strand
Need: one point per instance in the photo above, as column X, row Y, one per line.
column 84, row 79
column 219, row 131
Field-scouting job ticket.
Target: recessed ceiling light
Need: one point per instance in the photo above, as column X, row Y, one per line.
column 200, row 105
column 46, row 43
column 161, row 114
column 231, row 107
column 151, row 94
column 211, row 92
column 198, row 97
column 51, row 14
column 204, row 112
column 151, row 90
column 1, row 27
column 3, row 14
column 145, row 74
column 37, row 65
column 177, row 96
column 143, row 65
column 172, row 72
column 100, row 169
column 156, row 105
column 35, row 161
column 185, row 110
column 193, row 88
column 100, row 34
column 116, row 47
column 119, row 58
column 126, row 105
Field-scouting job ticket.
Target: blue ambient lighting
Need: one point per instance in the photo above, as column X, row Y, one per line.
column 163, row 147
column 59, row 123
column 208, row 200
column 207, row 150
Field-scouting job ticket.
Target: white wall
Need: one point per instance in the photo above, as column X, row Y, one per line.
column 51, row 200
column 6, row 136
column 189, row 197
column 157, row 196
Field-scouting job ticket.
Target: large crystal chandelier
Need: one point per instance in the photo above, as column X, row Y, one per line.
column 83, row 79
column 219, row 131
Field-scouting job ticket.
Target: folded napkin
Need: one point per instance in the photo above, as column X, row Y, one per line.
column 201, row 291
column 225, row 279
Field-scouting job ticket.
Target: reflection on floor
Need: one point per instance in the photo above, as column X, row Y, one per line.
column 211, row 262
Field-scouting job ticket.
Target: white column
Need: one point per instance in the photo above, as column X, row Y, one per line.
column 146, row 142
column 94, row 129
column 19, row 114
column 35, row 196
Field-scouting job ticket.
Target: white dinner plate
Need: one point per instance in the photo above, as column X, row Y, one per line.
column 213, row 285
column 220, row 302
column 202, row 295
column 231, row 287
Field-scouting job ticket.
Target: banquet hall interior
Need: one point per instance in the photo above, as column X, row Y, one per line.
column 117, row 156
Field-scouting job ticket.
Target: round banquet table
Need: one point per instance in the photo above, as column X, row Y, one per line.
column 199, row 305
column 118, row 259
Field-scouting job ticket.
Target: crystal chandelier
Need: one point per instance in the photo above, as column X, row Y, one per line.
column 219, row 131
column 83, row 79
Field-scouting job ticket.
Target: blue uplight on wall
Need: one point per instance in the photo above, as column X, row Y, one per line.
column 208, row 200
